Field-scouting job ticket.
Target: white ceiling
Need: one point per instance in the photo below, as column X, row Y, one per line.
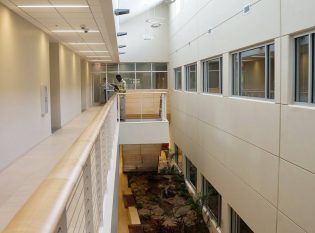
column 98, row 16
column 136, row 7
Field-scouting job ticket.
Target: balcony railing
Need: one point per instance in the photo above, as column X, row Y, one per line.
column 82, row 185
column 143, row 106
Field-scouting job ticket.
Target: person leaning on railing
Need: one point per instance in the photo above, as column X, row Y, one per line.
column 121, row 88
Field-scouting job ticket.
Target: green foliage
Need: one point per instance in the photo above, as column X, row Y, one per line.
column 147, row 216
column 152, row 199
column 177, row 178
column 139, row 205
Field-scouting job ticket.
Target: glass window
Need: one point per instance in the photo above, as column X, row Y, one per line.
column 191, row 173
column 236, row 68
column 238, row 225
column 143, row 80
column 302, row 69
column 212, row 76
column 179, row 157
column 111, row 78
column 191, row 77
column 178, row 78
column 271, row 70
column 253, row 72
column 159, row 80
column 129, row 78
column 212, row 200
column 112, row 67
column 143, row 66
column 159, row 67
column 127, row 67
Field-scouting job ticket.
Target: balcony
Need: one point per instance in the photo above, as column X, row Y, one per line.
column 80, row 193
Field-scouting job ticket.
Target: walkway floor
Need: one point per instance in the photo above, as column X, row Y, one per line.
column 20, row 179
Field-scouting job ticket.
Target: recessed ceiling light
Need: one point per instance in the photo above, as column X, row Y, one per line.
column 53, row 6
column 98, row 60
column 91, row 51
column 85, row 43
column 97, row 56
column 67, row 31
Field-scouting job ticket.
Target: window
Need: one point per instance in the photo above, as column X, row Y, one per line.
column 191, row 77
column 179, row 157
column 253, row 72
column 238, row 225
column 178, row 78
column 137, row 75
column 212, row 201
column 191, row 173
column 212, row 76
column 304, row 69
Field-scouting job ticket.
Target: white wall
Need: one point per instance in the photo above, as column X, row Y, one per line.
column 24, row 66
column 140, row 50
column 86, row 85
column 258, row 154
column 70, row 84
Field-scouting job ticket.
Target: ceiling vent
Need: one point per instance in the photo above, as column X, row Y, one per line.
column 246, row 9
column 169, row 1
column 122, row 33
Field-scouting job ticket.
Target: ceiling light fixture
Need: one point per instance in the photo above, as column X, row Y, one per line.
column 97, row 56
column 122, row 46
column 99, row 60
column 69, row 31
column 53, row 6
column 91, row 51
column 85, row 43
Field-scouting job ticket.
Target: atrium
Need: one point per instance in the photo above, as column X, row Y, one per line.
column 157, row 116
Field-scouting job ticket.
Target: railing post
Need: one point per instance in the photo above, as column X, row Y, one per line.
column 163, row 113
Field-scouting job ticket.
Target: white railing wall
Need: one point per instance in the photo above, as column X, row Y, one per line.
column 79, row 191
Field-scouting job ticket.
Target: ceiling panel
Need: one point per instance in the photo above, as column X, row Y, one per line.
column 95, row 17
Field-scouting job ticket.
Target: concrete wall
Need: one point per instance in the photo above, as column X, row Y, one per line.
column 258, row 154
column 24, row 67
column 140, row 50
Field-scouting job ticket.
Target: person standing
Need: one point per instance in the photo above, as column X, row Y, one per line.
column 121, row 88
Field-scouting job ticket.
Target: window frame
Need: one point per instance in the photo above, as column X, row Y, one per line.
column 311, row 69
column 237, row 54
column 187, row 77
column 205, row 83
column 181, row 79
column 176, row 157
column 218, row 220
column 187, row 165
column 235, row 222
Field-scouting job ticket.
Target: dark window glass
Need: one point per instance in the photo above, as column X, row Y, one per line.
column 253, row 73
column 159, row 67
column 178, row 79
column 213, row 76
column 191, row 78
column 143, row 66
column 302, row 69
column 112, row 67
column 238, row 225
column 143, row 80
column 191, row 173
column 127, row 67
column 212, row 200
column 130, row 79
column 236, row 74
column 271, row 75
column 159, row 80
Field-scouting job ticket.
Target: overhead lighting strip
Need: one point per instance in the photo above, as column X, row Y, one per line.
column 53, row 6
column 70, row 31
